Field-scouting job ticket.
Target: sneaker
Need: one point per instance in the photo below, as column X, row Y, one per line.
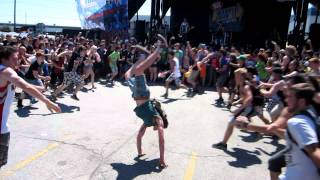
column 189, row 92
column 53, row 98
column 220, row 145
column 20, row 105
column 33, row 101
column 75, row 97
column 220, row 100
column 229, row 106
column 165, row 95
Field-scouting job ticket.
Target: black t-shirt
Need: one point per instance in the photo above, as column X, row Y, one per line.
column 77, row 61
column 102, row 53
column 135, row 57
column 108, row 52
column 34, row 67
column 130, row 58
column 124, row 55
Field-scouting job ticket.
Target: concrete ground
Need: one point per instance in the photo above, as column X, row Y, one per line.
column 94, row 138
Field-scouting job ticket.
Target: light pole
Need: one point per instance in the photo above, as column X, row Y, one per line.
column 14, row 16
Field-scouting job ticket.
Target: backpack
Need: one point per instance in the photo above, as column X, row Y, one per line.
column 157, row 105
column 311, row 113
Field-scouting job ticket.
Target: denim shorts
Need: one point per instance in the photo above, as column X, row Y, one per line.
column 138, row 86
column 147, row 112
column 175, row 79
column 114, row 67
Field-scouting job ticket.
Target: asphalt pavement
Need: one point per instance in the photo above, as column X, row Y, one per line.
column 94, row 138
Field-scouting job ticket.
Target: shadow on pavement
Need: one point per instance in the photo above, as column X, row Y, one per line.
column 274, row 142
column 244, row 158
column 67, row 108
column 252, row 137
column 25, row 111
column 131, row 171
column 171, row 100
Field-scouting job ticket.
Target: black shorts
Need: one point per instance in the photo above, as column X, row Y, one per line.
column 278, row 161
column 4, row 147
column 221, row 81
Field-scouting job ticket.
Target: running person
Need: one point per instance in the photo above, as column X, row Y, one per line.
column 114, row 57
column 141, row 94
column 57, row 69
column 8, row 80
column 35, row 74
column 73, row 74
column 252, row 104
column 175, row 73
column 93, row 57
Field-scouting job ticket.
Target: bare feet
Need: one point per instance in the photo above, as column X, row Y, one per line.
column 162, row 165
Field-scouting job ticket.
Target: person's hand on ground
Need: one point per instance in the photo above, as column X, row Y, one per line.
column 53, row 107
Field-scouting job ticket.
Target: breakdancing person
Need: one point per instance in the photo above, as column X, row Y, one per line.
column 141, row 94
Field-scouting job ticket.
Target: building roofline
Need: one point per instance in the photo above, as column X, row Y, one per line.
column 48, row 26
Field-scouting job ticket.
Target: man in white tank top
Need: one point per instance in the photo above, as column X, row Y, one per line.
column 175, row 73
column 8, row 80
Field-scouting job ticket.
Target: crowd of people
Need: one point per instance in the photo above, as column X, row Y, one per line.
column 280, row 86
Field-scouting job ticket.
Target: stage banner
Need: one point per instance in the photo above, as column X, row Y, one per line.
column 108, row 15
column 229, row 18
column 88, row 8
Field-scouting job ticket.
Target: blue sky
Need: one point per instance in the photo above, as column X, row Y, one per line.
column 49, row 12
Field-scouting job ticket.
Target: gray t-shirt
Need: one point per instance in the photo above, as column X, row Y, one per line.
column 299, row 165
